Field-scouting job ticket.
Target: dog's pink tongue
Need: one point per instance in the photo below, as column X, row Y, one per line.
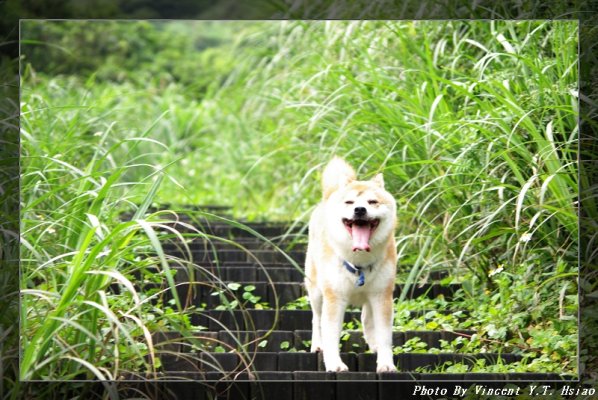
column 361, row 237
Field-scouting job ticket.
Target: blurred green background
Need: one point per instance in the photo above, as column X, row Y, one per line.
column 250, row 108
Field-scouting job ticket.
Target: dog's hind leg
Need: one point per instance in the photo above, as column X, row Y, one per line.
column 315, row 301
column 367, row 320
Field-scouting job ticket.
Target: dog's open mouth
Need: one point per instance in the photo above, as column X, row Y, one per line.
column 360, row 231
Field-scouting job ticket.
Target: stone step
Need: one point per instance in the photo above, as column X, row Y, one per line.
column 285, row 320
column 309, row 385
column 192, row 223
column 199, row 244
column 259, row 274
column 202, row 362
column 192, row 385
column 299, row 340
column 231, row 272
column 279, row 293
column 212, row 256
column 213, row 294
column 248, row 272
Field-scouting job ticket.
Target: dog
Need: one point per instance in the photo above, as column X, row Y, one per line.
column 351, row 259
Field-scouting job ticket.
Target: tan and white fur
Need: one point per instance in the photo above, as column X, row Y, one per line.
column 355, row 221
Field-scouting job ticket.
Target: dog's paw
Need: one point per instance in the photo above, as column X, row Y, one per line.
column 386, row 368
column 315, row 348
column 339, row 367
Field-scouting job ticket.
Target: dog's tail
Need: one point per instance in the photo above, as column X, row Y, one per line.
column 336, row 174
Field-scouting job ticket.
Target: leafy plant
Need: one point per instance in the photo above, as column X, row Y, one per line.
column 247, row 296
column 301, row 303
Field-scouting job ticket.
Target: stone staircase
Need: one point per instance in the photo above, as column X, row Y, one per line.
column 253, row 331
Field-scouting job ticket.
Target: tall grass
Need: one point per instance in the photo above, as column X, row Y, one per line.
column 96, row 283
column 473, row 123
column 72, row 248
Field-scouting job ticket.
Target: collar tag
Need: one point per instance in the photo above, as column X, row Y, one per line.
column 357, row 270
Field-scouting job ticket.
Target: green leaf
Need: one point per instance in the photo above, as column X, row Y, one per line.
column 233, row 286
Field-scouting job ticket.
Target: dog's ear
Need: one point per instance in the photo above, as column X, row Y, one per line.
column 379, row 180
column 336, row 175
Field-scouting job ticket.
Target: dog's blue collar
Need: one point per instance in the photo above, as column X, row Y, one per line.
column 357, row 270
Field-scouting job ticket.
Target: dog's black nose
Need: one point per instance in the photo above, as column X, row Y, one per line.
column 360, row 211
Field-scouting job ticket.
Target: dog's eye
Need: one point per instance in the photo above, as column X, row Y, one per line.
column 349, row 202
column 372, row 201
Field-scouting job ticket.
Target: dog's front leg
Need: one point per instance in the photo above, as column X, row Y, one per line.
column 315, row 300
column 332, row 319
column 383, row 316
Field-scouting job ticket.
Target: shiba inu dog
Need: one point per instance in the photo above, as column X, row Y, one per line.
column 351, row 259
